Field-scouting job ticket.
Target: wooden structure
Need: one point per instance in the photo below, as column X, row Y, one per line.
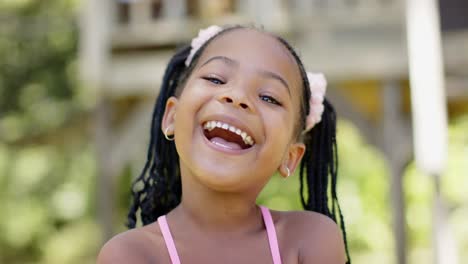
column 360, row 45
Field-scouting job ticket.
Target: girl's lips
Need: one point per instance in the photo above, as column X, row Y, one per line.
column 230, row 120
column 228, row 132
column 219, row 145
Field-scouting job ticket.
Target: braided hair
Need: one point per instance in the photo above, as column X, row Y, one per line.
column 158, row 188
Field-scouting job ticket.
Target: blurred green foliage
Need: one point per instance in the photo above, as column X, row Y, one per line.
column 48, row 164
column 47, row 177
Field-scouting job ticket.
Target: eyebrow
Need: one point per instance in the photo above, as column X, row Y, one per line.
column 275, row 76
column 264, row 73
column 226, row 60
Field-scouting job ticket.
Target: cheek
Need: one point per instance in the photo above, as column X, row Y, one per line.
column 298, row 124
column 193, row 96
column 295, row 119
column 279, row 128
column 287, row 123
column 192, row 99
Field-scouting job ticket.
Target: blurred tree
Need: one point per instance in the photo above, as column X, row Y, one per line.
column 37, row 74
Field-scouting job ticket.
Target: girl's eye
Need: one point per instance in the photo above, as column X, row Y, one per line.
column 269, row 99
column 214, row 80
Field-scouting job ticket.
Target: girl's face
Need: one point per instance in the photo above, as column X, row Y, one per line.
column 249, row 84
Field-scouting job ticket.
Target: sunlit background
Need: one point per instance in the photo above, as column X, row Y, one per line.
column 78, row 80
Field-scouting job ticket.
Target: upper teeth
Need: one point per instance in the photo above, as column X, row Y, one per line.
column 210, row 125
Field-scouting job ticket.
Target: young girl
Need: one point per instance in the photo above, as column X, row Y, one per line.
column 234, row 108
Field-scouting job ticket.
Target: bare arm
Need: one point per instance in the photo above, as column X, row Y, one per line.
column 124, row 248
column 323, row 242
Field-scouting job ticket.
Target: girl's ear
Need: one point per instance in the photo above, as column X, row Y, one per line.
column 168, row 121
column 291, row 161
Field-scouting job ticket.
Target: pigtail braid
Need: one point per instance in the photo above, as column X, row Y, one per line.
column 158, row 189
column 319, row 170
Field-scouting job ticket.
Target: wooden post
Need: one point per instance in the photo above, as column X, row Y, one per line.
column 395, row 144
column 96, row 20
column 445, row 246
column 429, row 109
column 105, row 183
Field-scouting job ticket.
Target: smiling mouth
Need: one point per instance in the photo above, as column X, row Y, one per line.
column 226, row 135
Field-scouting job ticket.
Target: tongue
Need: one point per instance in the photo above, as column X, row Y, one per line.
column 223, row 143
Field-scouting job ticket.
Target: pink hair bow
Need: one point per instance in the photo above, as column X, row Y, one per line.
column 203, row 36
column 318, row 86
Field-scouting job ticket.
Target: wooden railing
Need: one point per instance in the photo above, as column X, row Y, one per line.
column 165, row 22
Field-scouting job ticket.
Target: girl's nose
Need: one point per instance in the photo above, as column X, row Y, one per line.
column 230, row 99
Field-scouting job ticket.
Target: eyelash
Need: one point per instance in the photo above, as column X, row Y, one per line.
column 270, row 100
column 214, row 80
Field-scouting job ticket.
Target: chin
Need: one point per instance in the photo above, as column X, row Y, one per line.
column 224, row 178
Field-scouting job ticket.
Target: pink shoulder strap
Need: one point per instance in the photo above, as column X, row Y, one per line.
column 267, row 219
column 168, row 239
column 271, row 232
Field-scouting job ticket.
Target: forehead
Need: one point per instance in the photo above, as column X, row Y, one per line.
column 254, row 49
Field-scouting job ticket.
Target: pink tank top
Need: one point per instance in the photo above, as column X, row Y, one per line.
column 270, row 227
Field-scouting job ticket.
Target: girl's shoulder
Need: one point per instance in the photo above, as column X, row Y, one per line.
column 317, row 237
column 304, row 220
column 138, row 245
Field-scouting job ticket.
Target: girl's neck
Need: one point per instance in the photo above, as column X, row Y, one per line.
column 213, row 211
